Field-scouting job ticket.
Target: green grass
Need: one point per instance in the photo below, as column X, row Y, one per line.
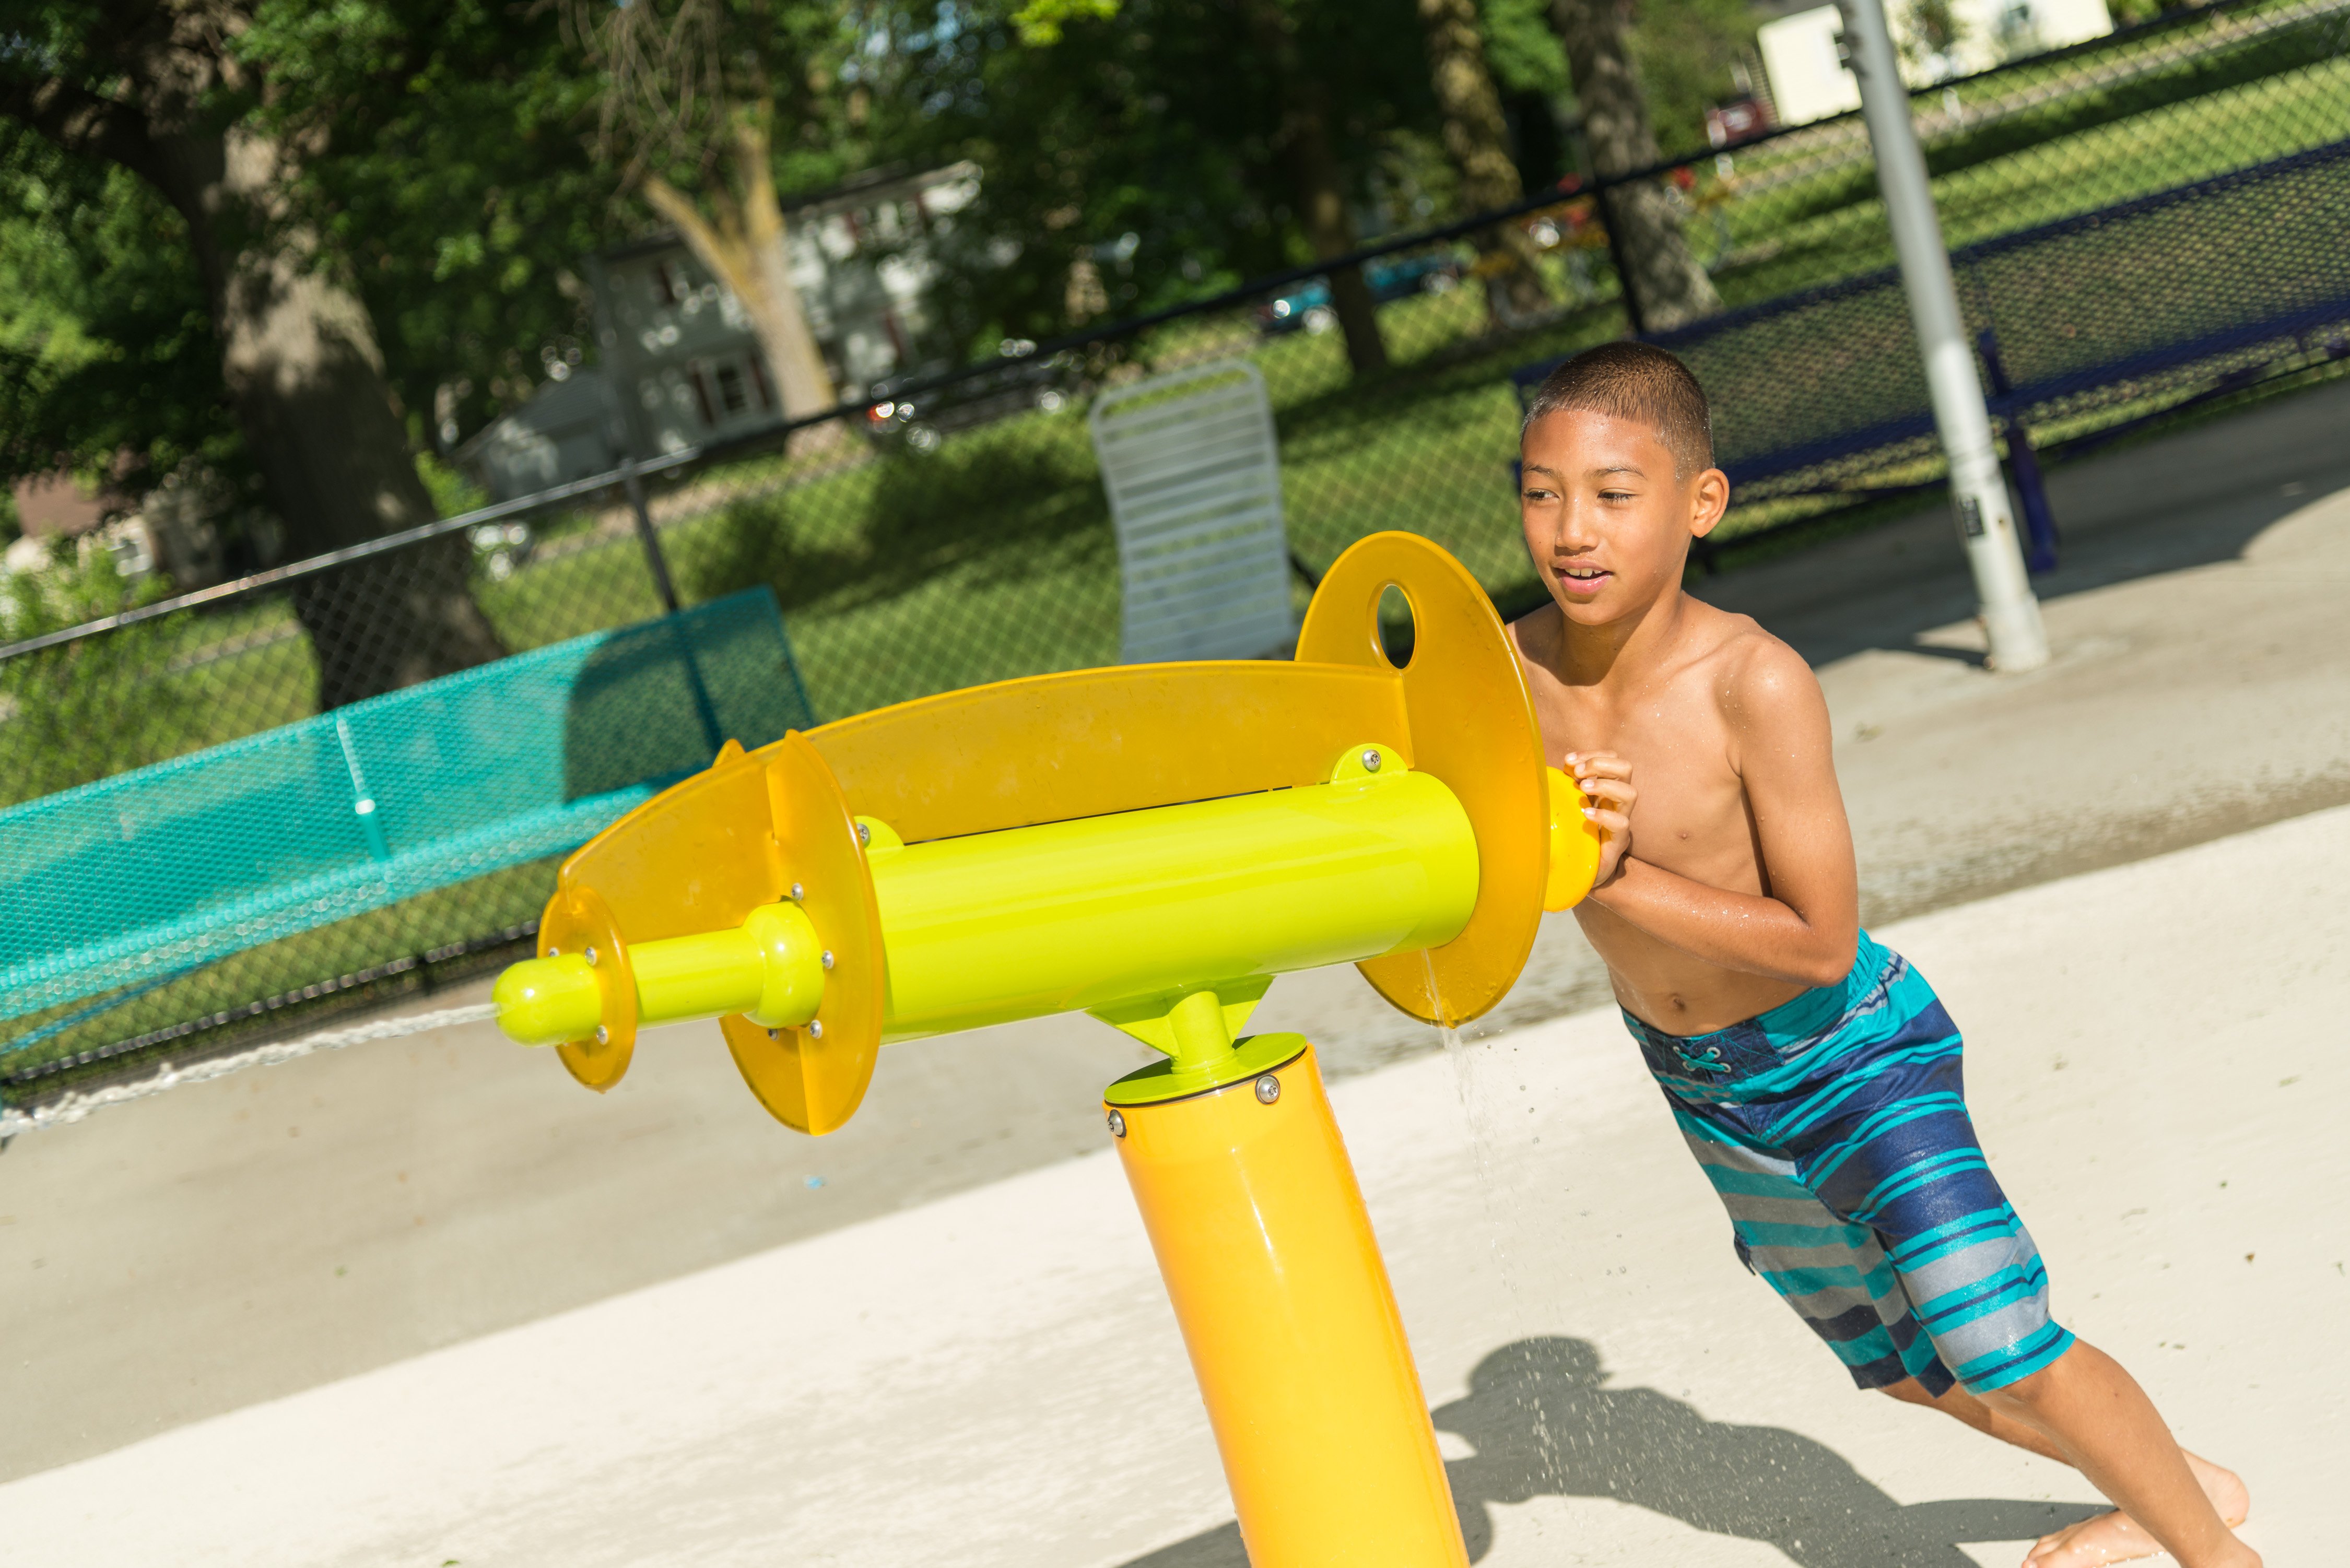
column 2194, row 120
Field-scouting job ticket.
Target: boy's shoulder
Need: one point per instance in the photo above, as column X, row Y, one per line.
column 1757, row 682
column 1736, row 652
column 1754, row 678
column 1746, row 671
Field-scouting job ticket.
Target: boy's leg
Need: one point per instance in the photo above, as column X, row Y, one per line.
column 1965, row 1408
column 1979, row 1290
column 2102, row 1424
column 2108, row 1534
column 1896, row 1151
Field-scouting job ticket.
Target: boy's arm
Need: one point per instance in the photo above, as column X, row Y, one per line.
column 1802, row 926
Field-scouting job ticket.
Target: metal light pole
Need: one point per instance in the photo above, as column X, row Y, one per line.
column 2011, row 615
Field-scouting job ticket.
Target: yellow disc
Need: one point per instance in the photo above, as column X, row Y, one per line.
column 813, row 1078
column 578, row 920
column 1474, row 727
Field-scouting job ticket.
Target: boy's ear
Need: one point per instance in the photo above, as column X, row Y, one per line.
column 1709, row 499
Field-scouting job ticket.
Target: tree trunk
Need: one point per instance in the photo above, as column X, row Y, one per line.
column 743, row 246
column 1476, row 137
column 1303, row 141
column 298, row 355
column 393, row 620
column 1670, row 285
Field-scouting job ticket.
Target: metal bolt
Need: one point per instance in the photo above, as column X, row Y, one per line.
column 603, row 1035
column 828, row 958
column 1116, row 1125
column 1371, row 760
column 774, row 1034
column 555, row 952
column 1268, row 1089
column 864, row 834
column 798, row 892
column 815, row 1028
column 591, row 957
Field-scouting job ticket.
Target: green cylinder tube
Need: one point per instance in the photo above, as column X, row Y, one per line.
column 1071, row 915
column 770, row 967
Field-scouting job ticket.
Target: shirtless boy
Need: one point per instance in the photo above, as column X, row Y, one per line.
column 1812, row 1071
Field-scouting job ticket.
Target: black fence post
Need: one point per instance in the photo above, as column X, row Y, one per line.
column 655, row 562
column 620, row 435
column 2039, row 517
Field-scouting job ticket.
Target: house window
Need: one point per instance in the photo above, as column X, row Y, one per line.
column 733, row 395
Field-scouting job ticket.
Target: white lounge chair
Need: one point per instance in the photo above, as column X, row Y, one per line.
column 1193, row 473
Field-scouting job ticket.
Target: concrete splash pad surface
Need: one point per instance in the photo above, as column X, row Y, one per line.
column 994, row 1377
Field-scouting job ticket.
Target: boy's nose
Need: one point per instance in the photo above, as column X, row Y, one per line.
column 1577, row 528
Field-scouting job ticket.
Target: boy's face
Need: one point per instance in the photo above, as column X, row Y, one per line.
column 1609, row 523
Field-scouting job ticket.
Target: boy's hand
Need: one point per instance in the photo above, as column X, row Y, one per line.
column 1607, row 779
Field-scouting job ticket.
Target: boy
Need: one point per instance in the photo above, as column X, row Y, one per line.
column 1812, row 1071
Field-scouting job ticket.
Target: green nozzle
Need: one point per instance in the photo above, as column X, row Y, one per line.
column 548, row 1000
column 771, row 969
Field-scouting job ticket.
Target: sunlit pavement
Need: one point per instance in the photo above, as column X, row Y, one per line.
column 993, row 1377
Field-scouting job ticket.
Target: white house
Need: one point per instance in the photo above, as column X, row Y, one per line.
column 1808, row 81
column 679, row 365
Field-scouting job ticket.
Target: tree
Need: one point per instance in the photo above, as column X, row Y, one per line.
column 1157, row 150
column 1087, row 135
column 1476, row 138
column 1687, row 54
column 1305, row 144
column 690, row 107
column 1665, row 281
column 169, row 94
column 107, row 351
column 1529, row 70
column 1931, row 34
column 459, row 188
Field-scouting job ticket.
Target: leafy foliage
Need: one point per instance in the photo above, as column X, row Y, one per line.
column 459, row 186
column 1143, row 146
column 94, row 707
column 1521, row 48
column 106, row 343
column 458, row 164
column 1685, row 49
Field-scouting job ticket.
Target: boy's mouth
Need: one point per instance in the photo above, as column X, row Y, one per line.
column 1581, row 581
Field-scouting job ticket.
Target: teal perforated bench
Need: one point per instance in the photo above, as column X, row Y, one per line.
column 152, row 872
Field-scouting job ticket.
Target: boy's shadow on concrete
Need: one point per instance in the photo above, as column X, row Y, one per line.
column 1543, row 1422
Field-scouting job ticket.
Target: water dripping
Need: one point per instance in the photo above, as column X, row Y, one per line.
column 1482, row 1119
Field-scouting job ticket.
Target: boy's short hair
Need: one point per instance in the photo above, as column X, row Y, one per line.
column 1634, row 381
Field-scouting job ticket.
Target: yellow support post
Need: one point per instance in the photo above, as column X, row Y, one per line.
column 1153, row 845
column 1293, row 1331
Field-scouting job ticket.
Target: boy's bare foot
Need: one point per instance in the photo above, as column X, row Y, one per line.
column 2116, row 1537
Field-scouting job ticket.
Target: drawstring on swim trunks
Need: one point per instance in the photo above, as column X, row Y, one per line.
column 1709, row 1062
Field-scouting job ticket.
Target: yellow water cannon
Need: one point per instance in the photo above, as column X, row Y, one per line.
column 1151, row 845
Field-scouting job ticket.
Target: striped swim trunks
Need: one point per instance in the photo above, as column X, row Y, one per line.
column 1835, row 1128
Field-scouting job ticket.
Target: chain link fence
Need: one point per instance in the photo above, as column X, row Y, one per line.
column 962, row 535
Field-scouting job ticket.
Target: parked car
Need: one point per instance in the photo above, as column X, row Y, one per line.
column 1390, row 277
column 920, row 421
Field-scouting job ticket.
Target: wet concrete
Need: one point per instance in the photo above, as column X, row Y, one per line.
column 993, row 1377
